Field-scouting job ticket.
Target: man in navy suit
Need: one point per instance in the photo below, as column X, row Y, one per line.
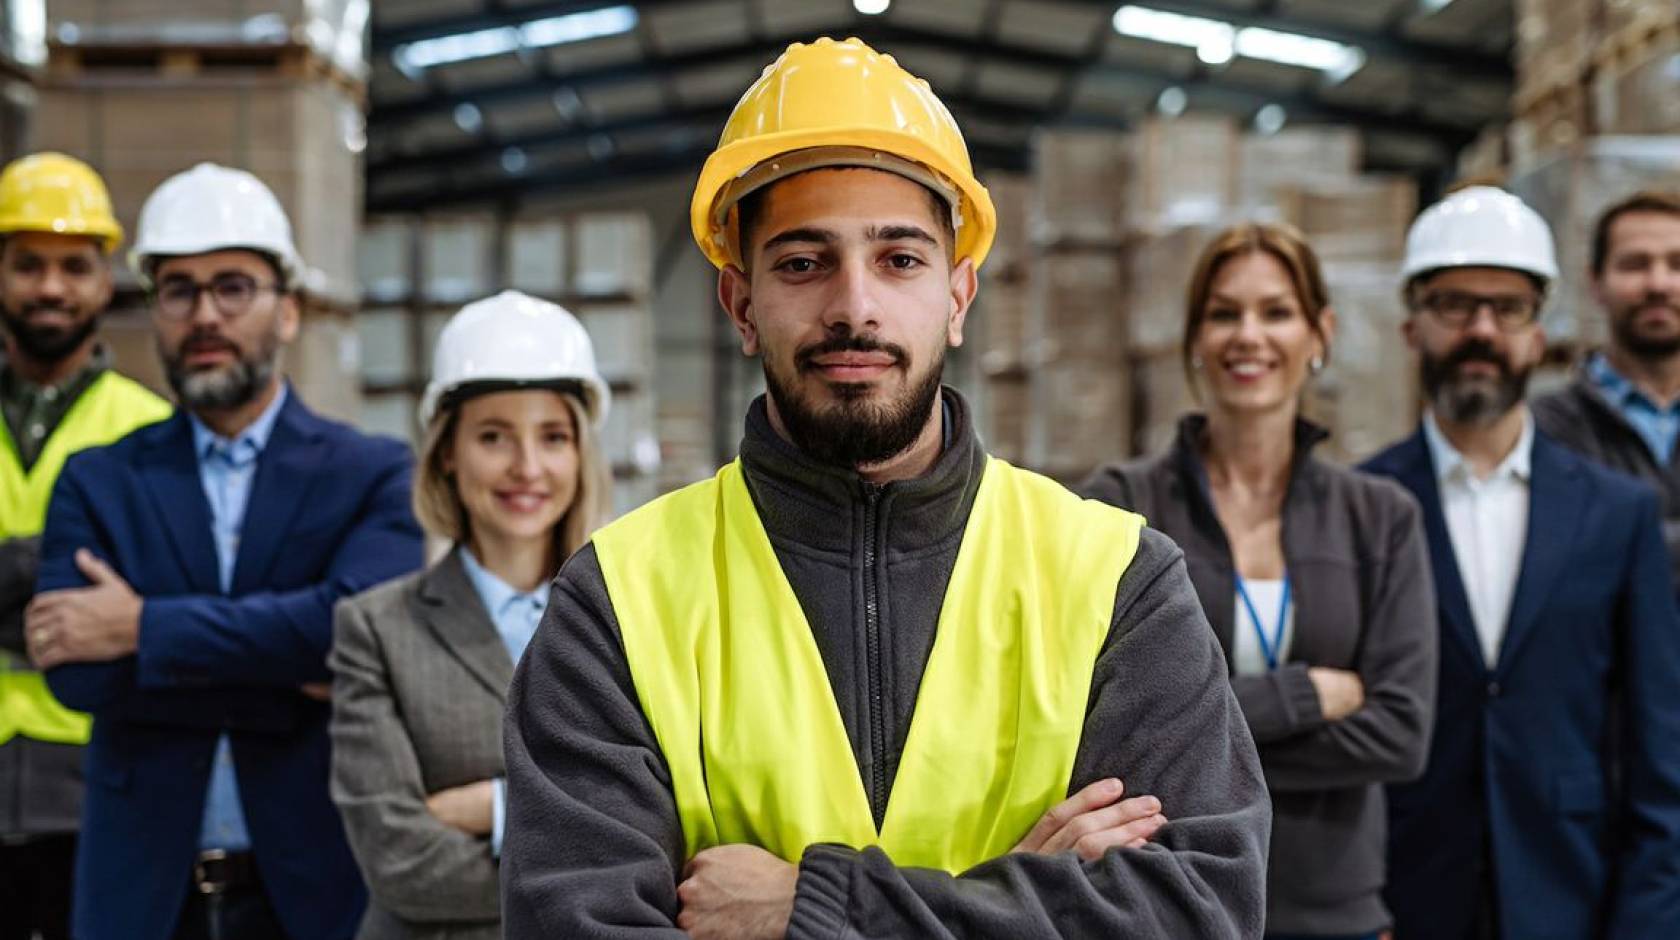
column 188, row 575
column 1551, row 803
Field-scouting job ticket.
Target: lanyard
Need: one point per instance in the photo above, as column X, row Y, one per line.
column 1269, row 646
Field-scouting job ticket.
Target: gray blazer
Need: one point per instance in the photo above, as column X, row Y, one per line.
column 420, row 678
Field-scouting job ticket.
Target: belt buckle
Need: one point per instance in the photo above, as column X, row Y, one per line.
column 201, row 872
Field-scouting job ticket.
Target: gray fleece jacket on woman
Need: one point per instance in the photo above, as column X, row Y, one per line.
column 594, row 846
column 1364, row 601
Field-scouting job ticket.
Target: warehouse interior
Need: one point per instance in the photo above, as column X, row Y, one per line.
column 431, row 152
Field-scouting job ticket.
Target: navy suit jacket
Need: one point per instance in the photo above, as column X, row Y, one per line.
column 328, row 517
column 1561, row 760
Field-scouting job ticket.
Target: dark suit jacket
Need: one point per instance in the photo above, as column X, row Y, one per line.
column 420, row 680
column 328, row 516
column 1522, row 777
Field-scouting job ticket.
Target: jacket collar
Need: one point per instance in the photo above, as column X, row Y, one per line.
column 813, row 504
column 448, row 604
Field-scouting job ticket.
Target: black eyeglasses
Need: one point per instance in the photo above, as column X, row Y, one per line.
column 233, row 295
column 1458, row 309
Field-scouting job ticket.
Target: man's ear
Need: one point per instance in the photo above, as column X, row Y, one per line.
column 964, row 285
column 735, row 295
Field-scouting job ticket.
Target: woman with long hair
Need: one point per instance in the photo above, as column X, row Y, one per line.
column 1315, row 578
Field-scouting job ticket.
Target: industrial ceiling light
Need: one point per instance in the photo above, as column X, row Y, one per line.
column 1172, row 101
column 415, row 57
column 468, row 117
column 514, row 161
column 1216, row 41
column 871, row 7
column 1270, row 119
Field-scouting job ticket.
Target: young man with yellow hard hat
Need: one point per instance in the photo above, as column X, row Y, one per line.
column 846, row 687
column 58, row 395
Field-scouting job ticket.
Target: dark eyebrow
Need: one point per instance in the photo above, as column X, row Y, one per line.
column 820, row 236
column 895, row 233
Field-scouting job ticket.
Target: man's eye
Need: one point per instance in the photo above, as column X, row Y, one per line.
column 798, row 266
column 904, row 262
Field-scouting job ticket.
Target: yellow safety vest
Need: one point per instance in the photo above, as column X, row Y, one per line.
column 730, row 678
column 110, row 408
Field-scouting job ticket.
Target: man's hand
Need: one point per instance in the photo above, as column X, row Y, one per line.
column 1340, row 692
column 736, row 891
column 467, row 808
column 81, row 625
column 1095, row 820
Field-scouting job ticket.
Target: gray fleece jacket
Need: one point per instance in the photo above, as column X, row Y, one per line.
column 1364, row 601
column 594, row 846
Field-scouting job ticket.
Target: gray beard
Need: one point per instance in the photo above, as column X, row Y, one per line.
column 229, row 387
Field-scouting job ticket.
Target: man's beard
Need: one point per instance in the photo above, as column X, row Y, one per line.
column 853, row 431
column 47, row 344
column 1639, row 345
column 222, row 387
column 1474, row 402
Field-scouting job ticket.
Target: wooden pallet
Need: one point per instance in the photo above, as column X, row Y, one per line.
column 1637, row 42
column 170, row 62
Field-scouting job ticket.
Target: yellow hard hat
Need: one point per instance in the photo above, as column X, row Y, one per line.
column 838, row 103
column 51, row 192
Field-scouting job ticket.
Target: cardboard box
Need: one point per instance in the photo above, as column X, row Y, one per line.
column 299, row 138
column 455, row 253
column 999, row 319
column 1008, row 413
column 1012, row 248
column 1185, row 172
column 1081, row 417
column 1161, row 268
column 1293, row 157
column 1642, row 96
column 1163, row 396
column 1080, row 310
column 611, row 254
column 1363, row 218
column 1083, row 181
column 1554, row 43
column 1569, row 191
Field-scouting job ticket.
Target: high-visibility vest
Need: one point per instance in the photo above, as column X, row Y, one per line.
column 108, row 409
column 730, row 678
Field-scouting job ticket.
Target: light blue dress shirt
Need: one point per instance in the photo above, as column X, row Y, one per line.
column 516, row 615
column 1656, row 426
column 227, row 468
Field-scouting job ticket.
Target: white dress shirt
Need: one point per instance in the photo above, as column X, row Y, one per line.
column 1487, row 519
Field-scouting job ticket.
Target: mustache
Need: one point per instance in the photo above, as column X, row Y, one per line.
column 804, row 358
column 37, row 306
column 206, row 342
column 1475, row 350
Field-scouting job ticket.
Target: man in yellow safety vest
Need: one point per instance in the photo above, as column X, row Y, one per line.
column 846, row 687
column 58, row 395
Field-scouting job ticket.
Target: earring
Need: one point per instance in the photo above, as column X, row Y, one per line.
column 1317, row 364
column 1196, row 363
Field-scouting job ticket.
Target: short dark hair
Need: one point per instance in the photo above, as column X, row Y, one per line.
column 749, row 212
column 1647, row 200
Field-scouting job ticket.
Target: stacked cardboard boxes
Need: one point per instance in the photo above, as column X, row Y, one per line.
column 145, row 90
column 416, row 272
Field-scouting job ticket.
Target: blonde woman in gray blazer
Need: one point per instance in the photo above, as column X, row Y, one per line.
column 510, row 474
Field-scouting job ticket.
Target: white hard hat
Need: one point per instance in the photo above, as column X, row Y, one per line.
column 214, row 208
column 516, row 339
column 1480, row 227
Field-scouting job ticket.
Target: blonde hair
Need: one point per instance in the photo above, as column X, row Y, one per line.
column 438, row 506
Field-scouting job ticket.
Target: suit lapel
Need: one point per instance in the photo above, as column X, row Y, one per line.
column 287, row 471
column 452, row 610
column 1554, row 513
column 171, row 477
column 1417, row 474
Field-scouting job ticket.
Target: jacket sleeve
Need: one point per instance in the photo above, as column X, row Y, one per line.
column 1279, row 704
column 19, row 560
column 267, row 638
column 1162, row 719
column 1647, row 900
column 1386, row 740
column 416, row 867
column 593, row 846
